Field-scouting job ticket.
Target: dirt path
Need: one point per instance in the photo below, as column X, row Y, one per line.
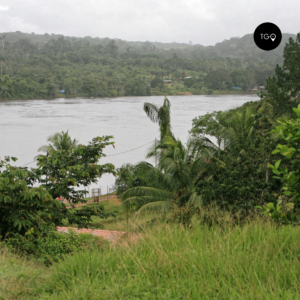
column 109, row 235
column 106, row 234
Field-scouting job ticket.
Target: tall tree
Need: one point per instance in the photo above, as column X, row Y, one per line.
column 283, row 89
column 62, row 171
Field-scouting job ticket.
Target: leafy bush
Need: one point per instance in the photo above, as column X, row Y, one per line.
column 23, row 207
column 238, row 185
column 287, row 171
column 282, row 214
column 27, row 209
column 29, row 215
column 289, row 174
column 128, row 176
column 53, row 246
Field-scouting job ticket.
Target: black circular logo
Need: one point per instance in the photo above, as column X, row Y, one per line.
column 267, row 36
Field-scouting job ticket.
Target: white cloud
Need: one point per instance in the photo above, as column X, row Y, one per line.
column 3, row 8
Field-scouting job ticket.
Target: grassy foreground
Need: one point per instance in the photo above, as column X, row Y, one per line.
column 255, row 261
column 18, row 276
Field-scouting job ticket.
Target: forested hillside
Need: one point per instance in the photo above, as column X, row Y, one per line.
column 42, row 66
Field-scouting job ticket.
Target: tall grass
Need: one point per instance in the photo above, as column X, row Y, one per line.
column 18, row 276
column 253, row 261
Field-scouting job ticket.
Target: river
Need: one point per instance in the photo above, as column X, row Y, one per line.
column 26, row 124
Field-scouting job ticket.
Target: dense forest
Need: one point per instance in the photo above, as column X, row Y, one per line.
column 48, row 66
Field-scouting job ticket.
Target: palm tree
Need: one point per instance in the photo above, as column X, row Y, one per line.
column 160, row 115
column 172, row 183
column 59, row 141
column 239, row 130
column 233, row 130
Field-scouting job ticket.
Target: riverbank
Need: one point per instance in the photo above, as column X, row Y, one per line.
column 182, row 93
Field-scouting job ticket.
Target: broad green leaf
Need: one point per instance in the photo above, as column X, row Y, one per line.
column 275, row 151
column 277, row 163
column 271, row 206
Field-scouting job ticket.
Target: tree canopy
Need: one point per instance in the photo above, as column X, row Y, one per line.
column 47, row 66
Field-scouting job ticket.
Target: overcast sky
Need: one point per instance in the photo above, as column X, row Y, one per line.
column 205, row 22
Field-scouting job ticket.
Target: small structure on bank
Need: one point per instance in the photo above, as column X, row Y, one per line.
column 96, row 193
column 62, row 200
column 167, row 81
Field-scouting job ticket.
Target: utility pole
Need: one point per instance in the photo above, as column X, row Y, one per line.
column 127, row 214
column 155, row 155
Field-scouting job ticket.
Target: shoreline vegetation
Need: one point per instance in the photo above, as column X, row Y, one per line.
column 187, row 93
column 35, row 66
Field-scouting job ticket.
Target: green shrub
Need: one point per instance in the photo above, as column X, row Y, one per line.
column 53, row 246
column 289, row 174
column 24, row 207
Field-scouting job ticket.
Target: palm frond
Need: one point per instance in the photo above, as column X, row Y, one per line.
column 160, row 115
column 195, row 200
column 152, row 111
column 159, row 207
column 142, row 191
column 59, row 141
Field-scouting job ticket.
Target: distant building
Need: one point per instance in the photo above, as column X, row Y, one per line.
column 262, row 87
column 167, row 81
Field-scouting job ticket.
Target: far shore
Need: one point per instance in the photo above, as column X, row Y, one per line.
column 178, row 94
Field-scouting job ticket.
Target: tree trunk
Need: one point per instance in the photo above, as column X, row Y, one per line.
column 267, row 171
